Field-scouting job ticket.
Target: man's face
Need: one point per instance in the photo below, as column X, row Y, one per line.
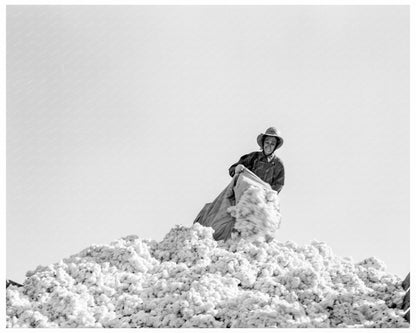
column 269, row 144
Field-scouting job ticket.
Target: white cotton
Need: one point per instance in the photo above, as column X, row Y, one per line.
column 189, row 280
column 257, row 214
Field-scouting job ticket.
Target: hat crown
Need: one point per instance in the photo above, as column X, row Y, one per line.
column 272, row 131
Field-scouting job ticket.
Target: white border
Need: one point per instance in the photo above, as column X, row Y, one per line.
column 213, row 2
column 208, row 2
column 3, row 163
column 412, row 156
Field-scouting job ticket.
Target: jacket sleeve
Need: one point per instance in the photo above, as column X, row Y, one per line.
column 279, row 180
column 246, row 160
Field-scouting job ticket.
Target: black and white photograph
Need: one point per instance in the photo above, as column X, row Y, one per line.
column 227, row 165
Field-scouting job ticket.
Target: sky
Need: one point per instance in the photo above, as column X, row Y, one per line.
column 124, row 120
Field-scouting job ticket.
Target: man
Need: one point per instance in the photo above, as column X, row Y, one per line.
column 264, row 163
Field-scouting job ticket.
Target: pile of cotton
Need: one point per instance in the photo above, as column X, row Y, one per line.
column 190, row 280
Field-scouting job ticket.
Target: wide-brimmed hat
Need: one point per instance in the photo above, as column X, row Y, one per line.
column 271, row 131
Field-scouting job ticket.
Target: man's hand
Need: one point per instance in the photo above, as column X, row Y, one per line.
column 239, row 168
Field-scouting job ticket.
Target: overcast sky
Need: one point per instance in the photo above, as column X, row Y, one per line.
column 124, row 120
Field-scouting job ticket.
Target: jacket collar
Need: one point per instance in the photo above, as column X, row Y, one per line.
column 270, row 159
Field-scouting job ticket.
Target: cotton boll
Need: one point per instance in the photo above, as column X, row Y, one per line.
column 373, row 262
column 235, row 266
column 16, row 303
column 34, row 319
column 188, row 245
column 203, row 321
column 128, row 304
column 232, row 211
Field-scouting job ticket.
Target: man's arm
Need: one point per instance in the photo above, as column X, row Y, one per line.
column 245, row 160
column 280, row 180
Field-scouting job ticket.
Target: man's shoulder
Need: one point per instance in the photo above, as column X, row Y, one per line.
column 253, row 154
column 278, row 160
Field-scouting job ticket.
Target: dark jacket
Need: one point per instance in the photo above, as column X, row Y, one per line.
column 272, row 172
